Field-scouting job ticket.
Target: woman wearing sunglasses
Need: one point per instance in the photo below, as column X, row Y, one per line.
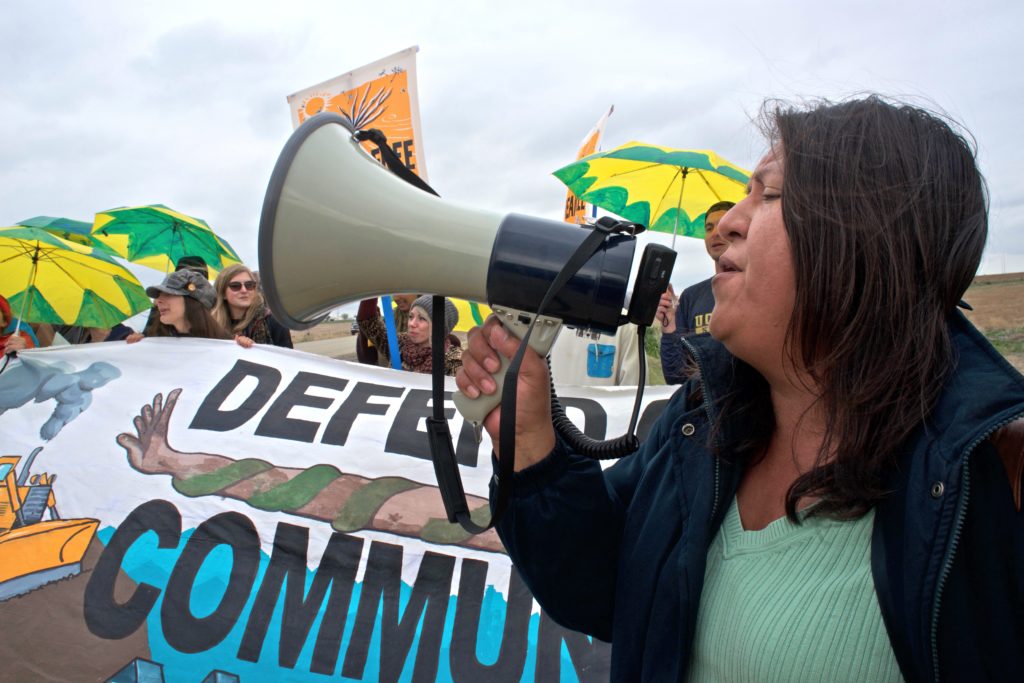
column 182, row 304
column 241, row 311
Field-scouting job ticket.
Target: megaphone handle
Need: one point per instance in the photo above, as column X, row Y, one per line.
column 516, row 322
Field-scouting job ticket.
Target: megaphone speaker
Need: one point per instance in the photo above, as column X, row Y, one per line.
column 337, row 227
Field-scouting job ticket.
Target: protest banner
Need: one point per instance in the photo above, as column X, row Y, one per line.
column 174, row 508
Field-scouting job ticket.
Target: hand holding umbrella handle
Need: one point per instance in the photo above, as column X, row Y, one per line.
column 668, row 304
column 14, row 344
column 516, row 322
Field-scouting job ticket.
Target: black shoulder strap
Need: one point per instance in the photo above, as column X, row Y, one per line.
column 441, row 447
column 391, row 160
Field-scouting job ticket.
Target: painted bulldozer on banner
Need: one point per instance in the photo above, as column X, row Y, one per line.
column 34, row 551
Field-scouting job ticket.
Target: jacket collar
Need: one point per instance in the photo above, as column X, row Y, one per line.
column 982, row 393
column 717, row 366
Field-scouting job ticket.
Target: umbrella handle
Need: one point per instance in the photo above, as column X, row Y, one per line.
column 28, row 289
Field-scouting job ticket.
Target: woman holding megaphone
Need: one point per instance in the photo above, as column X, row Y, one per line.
column 835, row 493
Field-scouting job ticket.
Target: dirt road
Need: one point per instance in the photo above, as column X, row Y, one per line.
column 343, row 347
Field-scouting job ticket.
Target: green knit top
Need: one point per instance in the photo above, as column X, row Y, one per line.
column 791, row 603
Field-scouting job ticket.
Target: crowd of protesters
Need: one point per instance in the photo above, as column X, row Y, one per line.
column 185, row 304
column 823, row 498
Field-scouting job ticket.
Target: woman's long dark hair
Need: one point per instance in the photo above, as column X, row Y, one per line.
column 886, row 214
column 201, row 323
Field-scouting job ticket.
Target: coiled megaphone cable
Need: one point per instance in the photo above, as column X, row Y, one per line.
column 597, row 449
column 442, row 448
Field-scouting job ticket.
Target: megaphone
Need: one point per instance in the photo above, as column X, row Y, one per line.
column 337, row 227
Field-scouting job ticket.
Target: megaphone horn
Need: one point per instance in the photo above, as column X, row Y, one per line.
column 337, row 227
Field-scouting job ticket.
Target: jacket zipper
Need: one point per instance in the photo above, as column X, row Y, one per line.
column 958, row 527
column 707, row 411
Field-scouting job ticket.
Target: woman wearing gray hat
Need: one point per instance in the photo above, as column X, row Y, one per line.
column 183, row 302
column 414, row 345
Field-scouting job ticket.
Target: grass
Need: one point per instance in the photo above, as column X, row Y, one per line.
column 652, row 348
column 1007, row 341
column 654, row 374
column 998, row 302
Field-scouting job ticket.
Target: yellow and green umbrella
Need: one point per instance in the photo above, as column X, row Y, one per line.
column 157, row 236
column 68, row 229
column 663, row 189
column 471, row 314
column 47, row 279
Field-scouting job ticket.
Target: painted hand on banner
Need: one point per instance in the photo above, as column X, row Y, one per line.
column 348, row 502
column 149, row 451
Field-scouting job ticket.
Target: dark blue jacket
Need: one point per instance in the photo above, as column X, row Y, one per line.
column 620, row 553
column 696, row 301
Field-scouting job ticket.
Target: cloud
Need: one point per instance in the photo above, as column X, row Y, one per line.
column 184, row 104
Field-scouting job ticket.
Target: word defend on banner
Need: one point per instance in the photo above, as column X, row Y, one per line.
column 381, row 95
column 576, row 208
column 186, row 506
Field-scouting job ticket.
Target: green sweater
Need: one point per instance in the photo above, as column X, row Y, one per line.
column 791, row 603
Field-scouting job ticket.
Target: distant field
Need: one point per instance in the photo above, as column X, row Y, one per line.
column 998, row 302
column 325, row 330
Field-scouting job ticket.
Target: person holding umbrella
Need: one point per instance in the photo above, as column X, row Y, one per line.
column 830, row 498
column 58, row 282
column 691, row 312
column 10, row 341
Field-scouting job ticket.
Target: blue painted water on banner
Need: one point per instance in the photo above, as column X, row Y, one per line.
column 145, row 562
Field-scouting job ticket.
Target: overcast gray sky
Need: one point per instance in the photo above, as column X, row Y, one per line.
column 107, row 104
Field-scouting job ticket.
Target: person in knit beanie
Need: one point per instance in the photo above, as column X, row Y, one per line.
column 414, row 344
column 451, row 314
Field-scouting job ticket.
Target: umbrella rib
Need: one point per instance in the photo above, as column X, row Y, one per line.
column 28, row 298
column 55, row 261
column 718, row 197
column 153, row 234
column 73, row 278
column 642, row 168
column 180, row 234
column 682, row 188
column 21, row 250
column 668, row 188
